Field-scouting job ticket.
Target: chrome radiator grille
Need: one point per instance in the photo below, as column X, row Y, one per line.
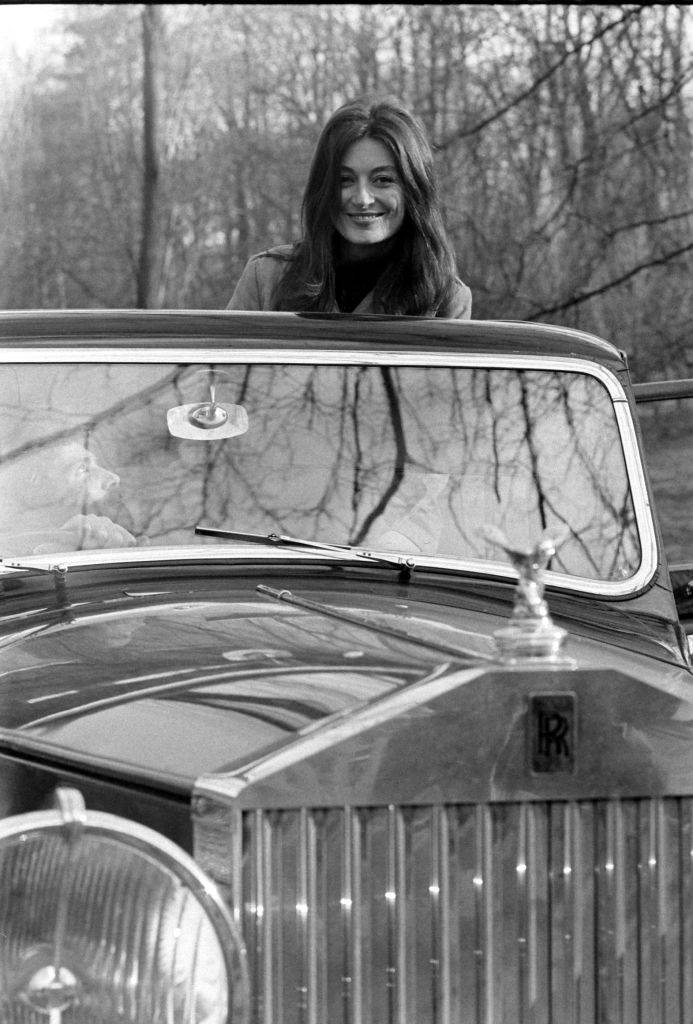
column 563, row 913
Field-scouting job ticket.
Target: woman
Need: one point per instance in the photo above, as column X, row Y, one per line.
column 373, row 236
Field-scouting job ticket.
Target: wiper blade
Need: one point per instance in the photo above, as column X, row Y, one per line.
column 405, row 565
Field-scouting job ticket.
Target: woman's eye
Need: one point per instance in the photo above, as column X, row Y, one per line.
column 384, row 181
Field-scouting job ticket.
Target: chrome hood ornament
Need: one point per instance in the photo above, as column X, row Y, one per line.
column 531, row 634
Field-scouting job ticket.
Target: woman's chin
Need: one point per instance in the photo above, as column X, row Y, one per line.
column 360, row 241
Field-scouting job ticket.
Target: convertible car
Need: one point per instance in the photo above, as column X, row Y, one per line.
column 344, row 675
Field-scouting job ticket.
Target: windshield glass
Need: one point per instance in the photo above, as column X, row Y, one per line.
column 412, row 459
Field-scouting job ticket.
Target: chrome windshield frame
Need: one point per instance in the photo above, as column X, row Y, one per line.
column 199, row 354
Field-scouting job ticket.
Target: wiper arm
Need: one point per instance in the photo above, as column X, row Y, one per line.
column 377, row 626
column 58, row 572
column 405, row 565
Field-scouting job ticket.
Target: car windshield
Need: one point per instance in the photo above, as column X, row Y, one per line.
column 418, row 460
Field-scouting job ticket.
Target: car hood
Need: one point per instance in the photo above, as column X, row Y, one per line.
column 179, row 680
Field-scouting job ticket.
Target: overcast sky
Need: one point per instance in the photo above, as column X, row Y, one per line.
column 23, row 25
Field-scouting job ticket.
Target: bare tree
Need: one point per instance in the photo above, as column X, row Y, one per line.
column 153, row 167
column 149, row 248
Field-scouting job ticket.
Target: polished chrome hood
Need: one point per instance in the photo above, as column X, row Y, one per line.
column 468, row 736
column 213, row 683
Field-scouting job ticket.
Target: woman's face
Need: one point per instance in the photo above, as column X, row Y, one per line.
column 372, row 202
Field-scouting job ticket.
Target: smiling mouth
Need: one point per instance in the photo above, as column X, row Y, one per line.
column 365, row 218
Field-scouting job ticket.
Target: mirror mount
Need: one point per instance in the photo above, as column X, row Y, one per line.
column 208, row 420
column 209, row 415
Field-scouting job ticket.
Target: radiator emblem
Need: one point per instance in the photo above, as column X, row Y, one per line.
column 553, row 732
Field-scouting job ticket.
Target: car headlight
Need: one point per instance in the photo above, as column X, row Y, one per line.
column 103, row 921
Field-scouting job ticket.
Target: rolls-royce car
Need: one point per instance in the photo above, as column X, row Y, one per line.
column 344, row 675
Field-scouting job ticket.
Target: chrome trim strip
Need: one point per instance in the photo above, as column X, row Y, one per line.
column 226, row 787
column 187, row 353
column 88, row 707
column 220, row 554
column 24, row 744
column 641, row 501
column 215, row 326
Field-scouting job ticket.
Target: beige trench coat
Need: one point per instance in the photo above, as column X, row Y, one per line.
column 262, row 272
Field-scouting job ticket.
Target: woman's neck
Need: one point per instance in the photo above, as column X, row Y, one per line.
column 352, row 252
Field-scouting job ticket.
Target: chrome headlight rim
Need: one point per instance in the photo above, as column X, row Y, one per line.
column 71, row 821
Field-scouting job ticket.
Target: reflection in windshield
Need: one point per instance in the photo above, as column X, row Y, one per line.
column 406, row 459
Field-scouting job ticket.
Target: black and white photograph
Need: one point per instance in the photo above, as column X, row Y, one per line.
column 346, row 529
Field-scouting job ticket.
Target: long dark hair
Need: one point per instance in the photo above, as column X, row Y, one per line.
column 423, row 270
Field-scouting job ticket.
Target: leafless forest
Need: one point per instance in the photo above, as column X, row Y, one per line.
column 160, row 145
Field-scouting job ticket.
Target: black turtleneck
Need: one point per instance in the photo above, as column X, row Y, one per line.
column 357, row 274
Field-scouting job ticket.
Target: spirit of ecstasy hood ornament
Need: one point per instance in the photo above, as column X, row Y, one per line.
column 531, row 633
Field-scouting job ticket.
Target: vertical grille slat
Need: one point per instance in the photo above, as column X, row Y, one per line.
column 439, row 911
column 523, row 919
column 306, row 920
column 578, row 898
column 440, row 895
column 685, row 951
column 540, row 913
column 396, row 882
column 533, row 929
column 393, row 909
column 648, row 914
column 566, row 895
column 262, row 898
column 675, row 914
column 356, row 937
column 483, row 946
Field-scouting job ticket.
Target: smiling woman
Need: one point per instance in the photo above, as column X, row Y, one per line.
column 373, row 235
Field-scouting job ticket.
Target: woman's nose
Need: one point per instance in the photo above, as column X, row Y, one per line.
column 363, row 195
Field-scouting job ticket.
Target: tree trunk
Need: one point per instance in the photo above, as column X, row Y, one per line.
column 151, row 24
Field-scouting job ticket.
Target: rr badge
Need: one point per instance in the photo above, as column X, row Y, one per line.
column 553, row 732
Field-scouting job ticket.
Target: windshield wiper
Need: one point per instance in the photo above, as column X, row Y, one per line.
column 58, row 572
column 404, row 565
column 369, row 621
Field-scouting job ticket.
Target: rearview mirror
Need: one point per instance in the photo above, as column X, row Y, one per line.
column 208, row 419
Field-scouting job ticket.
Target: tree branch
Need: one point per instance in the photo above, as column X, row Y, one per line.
column 463, row 133
column 578, row 299
column 650, row 222
column 400, row 457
